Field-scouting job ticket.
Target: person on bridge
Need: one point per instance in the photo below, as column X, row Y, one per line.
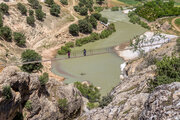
column 84, row 52
column 69, row 54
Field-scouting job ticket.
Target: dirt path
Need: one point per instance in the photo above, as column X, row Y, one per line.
column 175, row 26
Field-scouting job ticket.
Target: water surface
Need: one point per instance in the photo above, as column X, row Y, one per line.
column 101, row 70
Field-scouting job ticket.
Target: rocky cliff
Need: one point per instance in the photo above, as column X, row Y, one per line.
column 44, row 99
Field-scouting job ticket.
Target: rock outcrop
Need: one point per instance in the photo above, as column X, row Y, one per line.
column 44, row 99
column 163, row 103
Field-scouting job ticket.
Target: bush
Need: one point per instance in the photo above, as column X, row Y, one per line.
column 104, row 20
column 7, row 92
column 97, row 15
column 22, row 8
column 31, row 12
column 49, row 2
column 91, row 105
column 76, row 8
column 44, row 79
column 70, row 44
column 1, row 21
column 30, row 20
column 83, row 11
column 105, row 100
column 20, row 39
column 63, row 104
column 28, row 105
column 93, row 22
column 64, row 2
column 168, row 71
column 64, row 50
column 115, row 9
column 30, row 56
column 84, row 26
column 55, row 10
column 100, row 1
column 40, row 15
column 6, row 33
column 105, row 34
column 35, row 4
column 98, row 9
column 4, row 8
column 90, row 92
column 74, row 29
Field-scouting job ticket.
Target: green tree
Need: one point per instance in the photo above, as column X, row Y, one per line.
column 31, row 13
column 63, row 104
column 49, row 2
column 22, row 8
column 44, row 78
column 64, row 50
column 20, row 39
column 30, row 20
column 1, row 20
column 105, row 100
column 4, row 8
column 30, row 56
column 83, row 11
column 55, row 10
column 77, row 8
column 35, row 4
column 64, row 2
column 104, row 20
column 40, row 15
column 97, row 15
column 84, row 26
column 6, row 33
column 7, row 93
column 93, row 21
column 74, row 29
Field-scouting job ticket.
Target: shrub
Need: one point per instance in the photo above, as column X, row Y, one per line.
column 4, row 8
column 97, row 15
column 84, row 26
column 28, row 105
column 105, row 100
column 104, row 20
column 115, row 9
column 35, row 4
column 90, row 92
column 30, row 20
column 91, row 105
column 63, row 104
column 168, row 71
column 20, row 39
column 74, row 29
column 70, row 44
column 31, row 12
column 55, row 10
column 30, row 56
column 6, row 33
column 100, row 1
column 1, row 21
column 44, row 78
column 7, row 92
column 40, row 15
column 49, row 2
column 64, row 50
column 22, row 8
column 83, row 11
column 105, row 34
column 64, row 2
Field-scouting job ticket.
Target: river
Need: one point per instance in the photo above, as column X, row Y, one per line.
column 101, row 70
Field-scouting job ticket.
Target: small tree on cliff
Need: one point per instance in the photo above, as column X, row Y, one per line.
column 30, row 56
column 74, row 29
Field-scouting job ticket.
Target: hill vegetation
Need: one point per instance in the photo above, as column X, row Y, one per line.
column 157, row 9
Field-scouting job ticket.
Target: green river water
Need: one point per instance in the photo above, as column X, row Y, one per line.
column 101, row 70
